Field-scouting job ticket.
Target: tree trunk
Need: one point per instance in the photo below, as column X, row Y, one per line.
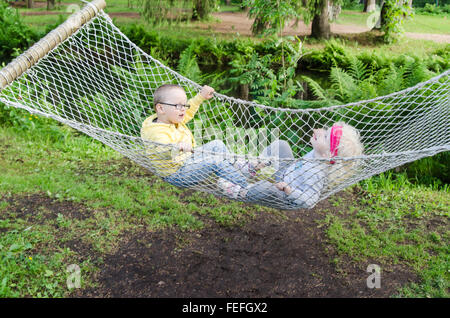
column 30, row 4
column 382, row 15
column 50, row 4
column 201, row 9
column 369, row 5
column 244, row 91
column 380, row 21
column 410, row 5
column 241, row 112
column 321, row 25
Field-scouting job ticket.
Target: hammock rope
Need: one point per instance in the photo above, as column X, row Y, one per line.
column 88, row 75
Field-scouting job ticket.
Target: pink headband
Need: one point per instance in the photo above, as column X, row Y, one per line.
column 335, row 138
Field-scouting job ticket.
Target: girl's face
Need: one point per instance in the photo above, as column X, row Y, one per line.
column 320, row 141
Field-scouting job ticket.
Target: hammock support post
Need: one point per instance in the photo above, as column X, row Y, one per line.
column 30, row 57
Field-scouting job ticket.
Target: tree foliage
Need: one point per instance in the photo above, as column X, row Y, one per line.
column 271, row 16
column 15, row 35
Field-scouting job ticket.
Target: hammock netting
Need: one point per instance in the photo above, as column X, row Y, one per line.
column 97, row 81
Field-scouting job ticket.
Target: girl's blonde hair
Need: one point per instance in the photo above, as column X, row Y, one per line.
column 349, row 146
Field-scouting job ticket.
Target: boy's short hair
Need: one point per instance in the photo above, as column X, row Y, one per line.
column 161, row 93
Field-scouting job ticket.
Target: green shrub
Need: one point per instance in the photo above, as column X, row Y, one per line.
column 15, row 36
column 433, row 171
column 433, row 9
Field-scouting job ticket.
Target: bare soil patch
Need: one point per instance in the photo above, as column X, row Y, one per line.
column 270, row 256
column 232, row 22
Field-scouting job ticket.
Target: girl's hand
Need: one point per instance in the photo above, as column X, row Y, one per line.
column 184, row 146
column 207, row 92
column 283, row 186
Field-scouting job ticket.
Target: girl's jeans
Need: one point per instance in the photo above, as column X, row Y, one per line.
column 206, row 160
column 265, row 191
column 282, row 152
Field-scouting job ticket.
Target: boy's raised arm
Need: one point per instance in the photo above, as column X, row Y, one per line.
column 205, row 94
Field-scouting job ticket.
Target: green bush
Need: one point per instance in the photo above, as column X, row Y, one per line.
column 15, row 36
column 433, row 171
column 432, row 9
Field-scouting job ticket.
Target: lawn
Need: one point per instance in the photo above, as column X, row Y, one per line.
column 420, row 23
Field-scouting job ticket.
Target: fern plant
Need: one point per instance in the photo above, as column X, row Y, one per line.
column 359, row 82
column 188, row 65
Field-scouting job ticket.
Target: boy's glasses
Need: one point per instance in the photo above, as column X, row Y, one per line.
column 178, row 106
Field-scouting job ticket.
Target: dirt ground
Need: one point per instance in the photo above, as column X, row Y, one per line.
column 270, row 256
column 265, row 258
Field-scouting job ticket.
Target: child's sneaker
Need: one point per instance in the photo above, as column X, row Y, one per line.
column 230, row 189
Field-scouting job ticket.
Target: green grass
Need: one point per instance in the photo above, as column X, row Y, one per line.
column 25, row 270
column 428, row 24
column 397, row 223
column 418, row 24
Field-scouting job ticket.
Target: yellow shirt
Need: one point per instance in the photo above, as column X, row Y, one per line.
column 167, row 159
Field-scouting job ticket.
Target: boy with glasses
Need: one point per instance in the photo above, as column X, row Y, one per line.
column 178, row 163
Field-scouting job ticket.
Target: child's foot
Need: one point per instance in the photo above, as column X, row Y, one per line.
column 249, row 169
column 230, row 189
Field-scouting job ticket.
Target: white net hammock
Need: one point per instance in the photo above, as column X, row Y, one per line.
column 90, row 76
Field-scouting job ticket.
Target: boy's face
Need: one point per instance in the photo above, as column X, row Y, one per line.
column 170, row 114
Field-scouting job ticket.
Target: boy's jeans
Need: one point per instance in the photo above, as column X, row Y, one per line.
column 201, row 165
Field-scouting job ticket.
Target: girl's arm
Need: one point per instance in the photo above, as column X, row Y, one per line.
column 307, row 187
column 305, row 184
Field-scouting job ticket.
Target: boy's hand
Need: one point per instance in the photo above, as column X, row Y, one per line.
column 207, row 92
column 184, row 146
column 283, row 186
